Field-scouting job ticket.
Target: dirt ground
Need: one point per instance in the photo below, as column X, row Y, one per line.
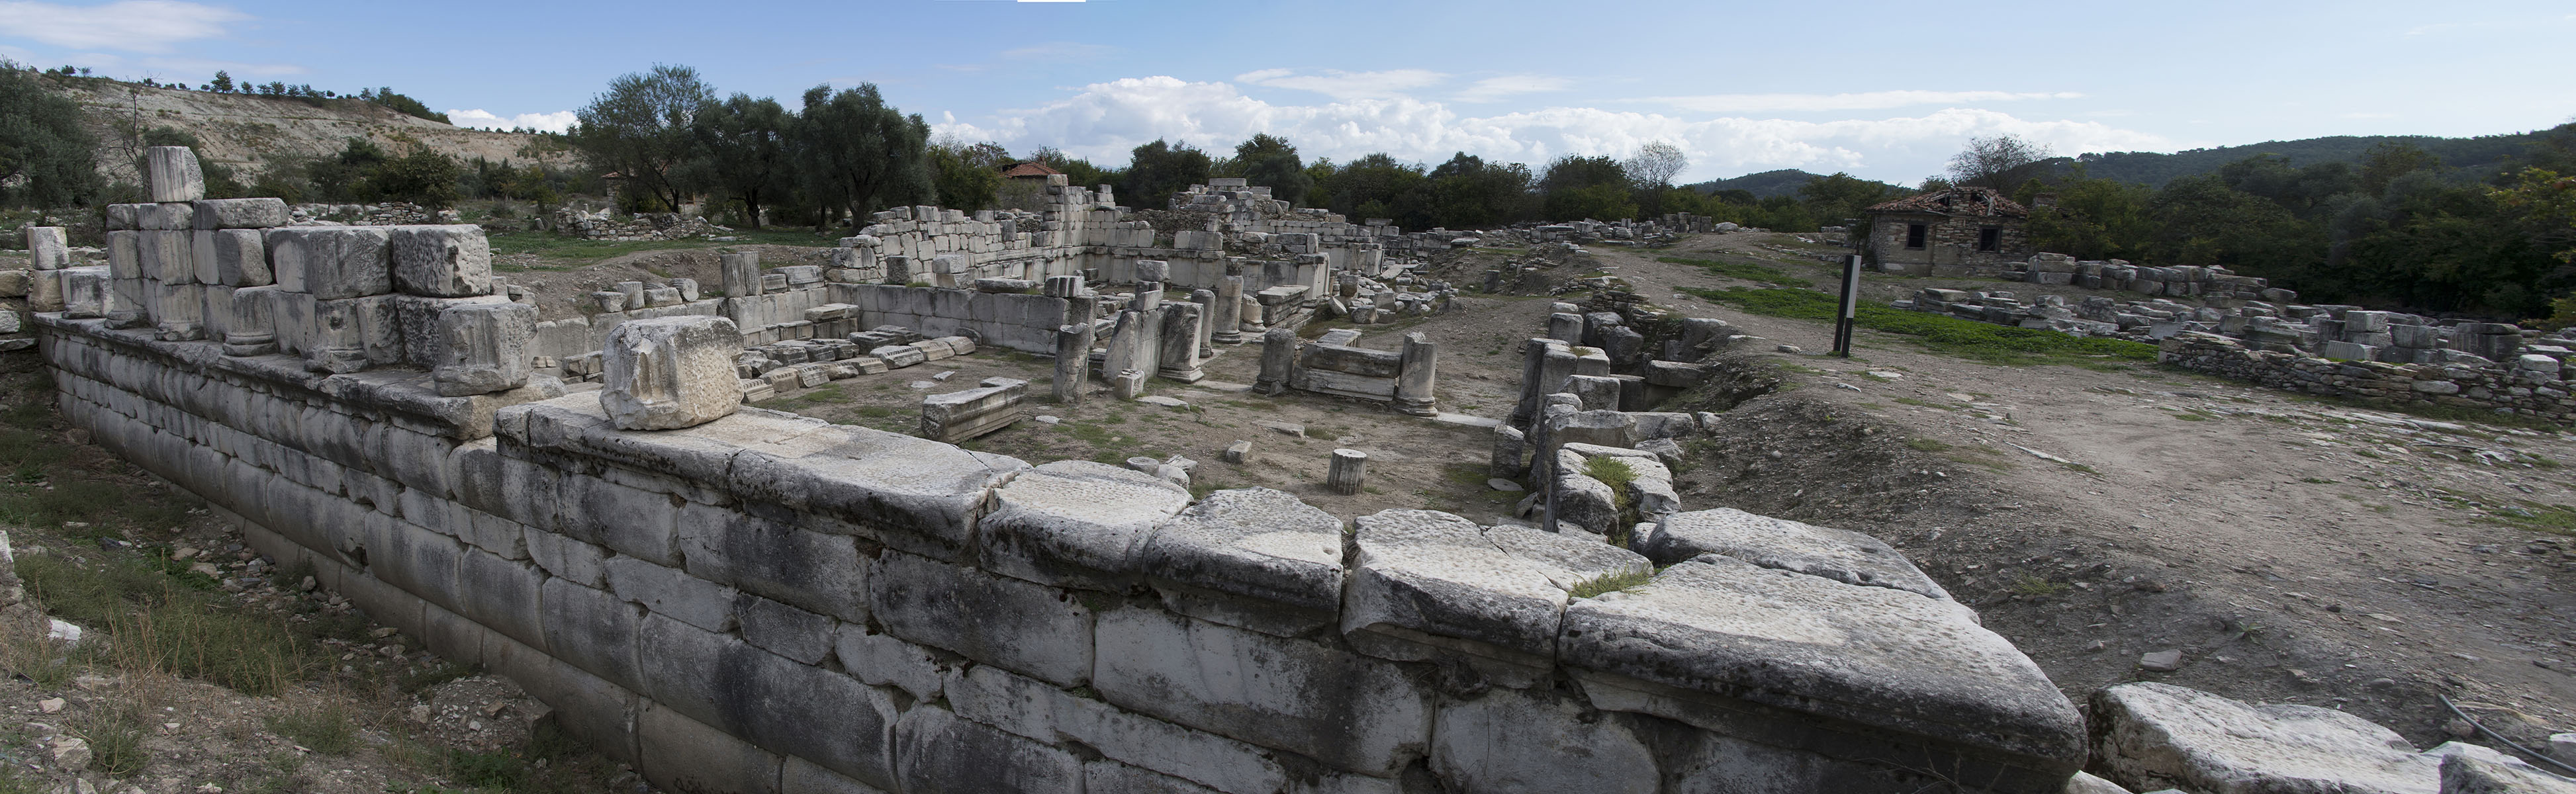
column 2295, row 550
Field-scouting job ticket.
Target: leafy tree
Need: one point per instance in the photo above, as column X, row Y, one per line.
column 1587, row 187
column 2095, row 219
column 1157, row 170
column 858, row 153
column 967, row 176
column 1380, row 186
column 1654, row 165
column 1270, row 162
column 1842, row 197
column 2386, row 162
column 223, row 82
column 643, row 128
column 397, row 102
column 421, row 176
column 47, row 159
column 747, row 154
column 2001, row 162
column 1468, row 193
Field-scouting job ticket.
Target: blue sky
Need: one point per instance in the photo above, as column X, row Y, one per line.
column 1882, row 90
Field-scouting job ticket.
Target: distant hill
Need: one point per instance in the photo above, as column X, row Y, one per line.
column 247, row 132
column 1783, row 182
column 2474, row 156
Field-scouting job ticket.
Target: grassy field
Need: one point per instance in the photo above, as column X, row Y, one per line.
column 1987, row 342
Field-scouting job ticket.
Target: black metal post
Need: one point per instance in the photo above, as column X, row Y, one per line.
column 1847, row 313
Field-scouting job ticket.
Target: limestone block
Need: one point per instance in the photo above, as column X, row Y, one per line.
column 1514, row 740
column 48, row 248
column 167, row 256
column 899, row 356
column 179, row 311
column 1031, row 708
column 1252, row 557
column 332, row 262
column 814, row 571
column 450, row 261
column 1070, row 521
column 672, row 593
column 2155, row 735
column 173, row 216
column 171, row 173
column 959, row 416
column 1349, row 711
column 483, row 348
column 794, row 633
column 936, row 751
column 85, row 290
column 1840, row 555
column 232, row 257
column 881, row 660
column 1705, row 636
column 242, row 213
column 671, row 372
column 1022, row 627
column 681, row 754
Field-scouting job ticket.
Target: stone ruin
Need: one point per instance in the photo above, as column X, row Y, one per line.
column 735, row 599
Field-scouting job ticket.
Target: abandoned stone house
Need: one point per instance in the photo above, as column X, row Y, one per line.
column 1949, row 232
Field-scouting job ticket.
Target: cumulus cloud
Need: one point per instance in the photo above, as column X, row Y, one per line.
column 557, row 121
column 1346, row 85
column 1105, row 120
column 133, row 25
column 1494, row 88
column 1869, row 100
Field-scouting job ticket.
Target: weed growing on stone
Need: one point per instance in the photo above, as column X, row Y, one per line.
column 1969, row 339
column 1610, row 583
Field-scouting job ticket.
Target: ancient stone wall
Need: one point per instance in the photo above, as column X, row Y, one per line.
column 2531, row 384
column 767, row 603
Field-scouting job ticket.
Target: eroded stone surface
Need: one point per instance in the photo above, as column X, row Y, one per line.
column 1840, row 555
column 671, row 372
column 2151, row 736
column 1062, row 520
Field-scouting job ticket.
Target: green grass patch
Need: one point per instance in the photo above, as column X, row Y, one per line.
column 322, row 727
column 1996, row 344
column 2037, row 587
column 1927, row 445
column 1610, row 583
column 163, row 622
column 1746, row 271
column 2537, row 517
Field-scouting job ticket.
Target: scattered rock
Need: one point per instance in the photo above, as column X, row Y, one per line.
column 1503, row 485
column 1167, row 402
column 72, row 753
column 1048, row 420
column 50, row 705
column 1792, row 350
column 2164, row 661
column 1234, row 453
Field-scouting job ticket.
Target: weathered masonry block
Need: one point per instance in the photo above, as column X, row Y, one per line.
column 744, row 600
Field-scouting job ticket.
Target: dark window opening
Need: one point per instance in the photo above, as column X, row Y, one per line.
column 1990, row 238
column 1914, row 235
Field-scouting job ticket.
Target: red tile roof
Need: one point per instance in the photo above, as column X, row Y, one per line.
column 1031, row 168
column 1966, row 201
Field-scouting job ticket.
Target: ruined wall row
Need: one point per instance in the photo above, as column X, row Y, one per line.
column 770, row 603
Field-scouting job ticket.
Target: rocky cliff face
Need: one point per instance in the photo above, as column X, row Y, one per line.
column 247, row 133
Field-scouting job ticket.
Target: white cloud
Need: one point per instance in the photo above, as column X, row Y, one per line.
column 134, row 25
column 1105, row 120
column 1869, row 100
column 1346, row 85
column 1494, row 88
column 557, row 121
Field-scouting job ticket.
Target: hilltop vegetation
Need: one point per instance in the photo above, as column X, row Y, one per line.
column 2475, row 158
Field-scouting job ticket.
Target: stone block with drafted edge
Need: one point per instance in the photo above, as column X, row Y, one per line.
column 1425, row 583
column 483, row 348
column 1252, row 557
column 1075, row 522
column 332, row 262
column 232, row 257
column 1868, row 675
column 445, row 261
column 1840, row 555
column 671, row 372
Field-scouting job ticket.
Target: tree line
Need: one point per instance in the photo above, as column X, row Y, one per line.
column 2396, row 229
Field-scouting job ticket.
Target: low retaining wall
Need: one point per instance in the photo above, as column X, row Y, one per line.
column 2532, row 385
column 769, row 603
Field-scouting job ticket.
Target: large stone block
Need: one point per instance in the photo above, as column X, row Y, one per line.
column 171, row 173
column 1251, row 557
column 48, row 248
column 681, row 754
column 451, row 261
column 1031, row 708
column 936, row 751
column 1435, row 580
column 232, row 257
column 332, row 262
column 592, row 630
column 242, row 213
column 1514, row 740
column 1711, row 641
column 483, row 348
column 1840, row 555
column 1349, row 711
column 168, row 256
column 1070, row 521
column 812, row 570
column 671, row 372
column 2151, row 736
column 1031, row 629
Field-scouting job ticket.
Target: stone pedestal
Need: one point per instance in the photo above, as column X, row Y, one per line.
column 1417, row 375
column 741, row 272
column 1072, row 361
column 1226, row 324
column 1180, row 348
